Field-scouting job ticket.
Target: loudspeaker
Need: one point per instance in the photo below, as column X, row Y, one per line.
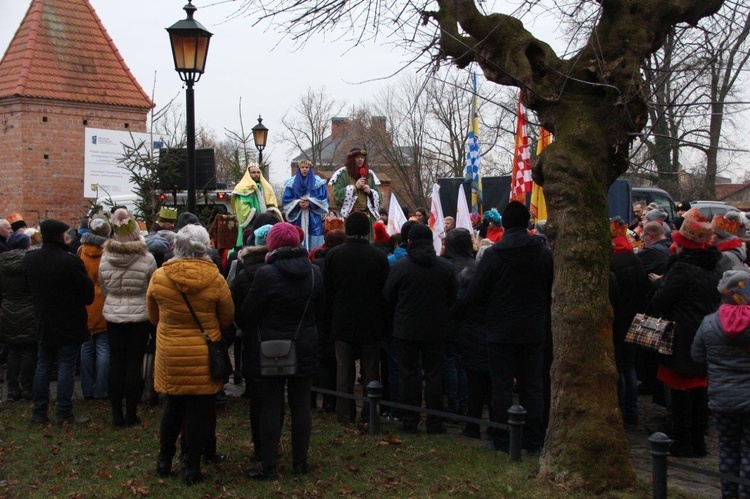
column 176, row 161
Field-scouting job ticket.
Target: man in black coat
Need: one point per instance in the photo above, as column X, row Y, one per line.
column 61, row 289
column 655, row 252
column 419, row 292
column 355, row 273
column 514, row 283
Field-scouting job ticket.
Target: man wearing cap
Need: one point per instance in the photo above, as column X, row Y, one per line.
column 355, row 273
column 418, row 294
column 682, row 208
column 61, row 289
column 251, row 196
column 355, row 186
column 513, row 283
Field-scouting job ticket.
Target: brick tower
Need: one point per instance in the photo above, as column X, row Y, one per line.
column 60, row 74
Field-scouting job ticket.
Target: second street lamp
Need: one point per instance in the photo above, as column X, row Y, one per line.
column 189, row 41
column 260, row 135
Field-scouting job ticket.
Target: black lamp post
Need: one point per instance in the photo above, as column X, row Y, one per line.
column 189, row 41
column 260, row 135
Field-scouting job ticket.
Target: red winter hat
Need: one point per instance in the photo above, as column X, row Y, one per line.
column 380, row 233
column 282, row 234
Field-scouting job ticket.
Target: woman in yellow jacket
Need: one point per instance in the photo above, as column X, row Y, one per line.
column 181, row 368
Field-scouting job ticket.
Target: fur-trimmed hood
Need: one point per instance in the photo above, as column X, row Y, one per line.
column 124, row 254
column 251, row 251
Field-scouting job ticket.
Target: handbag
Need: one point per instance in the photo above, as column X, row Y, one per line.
column 279, row 357
column 218, row 352
column 653, row 333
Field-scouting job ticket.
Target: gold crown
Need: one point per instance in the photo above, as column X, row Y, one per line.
column 167, row 213
column 731, row 227
column 695, row 227
column 305, row 162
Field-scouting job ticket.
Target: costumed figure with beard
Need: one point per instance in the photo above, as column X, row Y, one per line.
column 306, row 203
column 252, row 195
column 355, row 186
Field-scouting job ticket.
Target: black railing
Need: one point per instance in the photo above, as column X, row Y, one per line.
column 374, row 398
column 659, row 464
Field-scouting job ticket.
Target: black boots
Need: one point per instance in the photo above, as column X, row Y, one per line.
column 189, row 477
column 163, row 466
column 265, row 474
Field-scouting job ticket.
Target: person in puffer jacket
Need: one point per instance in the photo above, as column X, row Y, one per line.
column 723, row 343
column 124, row 272
column 181, row 367
column 17, row 321
column 95, row 351
column 284, row 299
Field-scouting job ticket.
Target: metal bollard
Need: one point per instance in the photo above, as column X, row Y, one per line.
column 659, row 451
column 374, row 393
column 516, row 420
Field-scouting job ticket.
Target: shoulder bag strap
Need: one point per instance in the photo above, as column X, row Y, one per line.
column 307, row 305
column 195, row 317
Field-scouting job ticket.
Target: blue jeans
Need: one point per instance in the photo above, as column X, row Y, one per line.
column 627, row 382
column 95, row 366
column 66, row 356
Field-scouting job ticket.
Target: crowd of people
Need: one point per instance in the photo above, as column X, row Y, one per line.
column 459, row 329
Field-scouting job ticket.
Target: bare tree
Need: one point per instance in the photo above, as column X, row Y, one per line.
column 307, row 124
column 593, row 101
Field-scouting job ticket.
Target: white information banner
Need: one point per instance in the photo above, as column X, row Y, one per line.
column 103, row 174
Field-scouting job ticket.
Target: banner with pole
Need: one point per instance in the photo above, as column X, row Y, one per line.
column 521, row 176
column 472, row 173
column 538, row 207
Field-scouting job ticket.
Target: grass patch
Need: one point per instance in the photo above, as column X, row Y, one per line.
column 97, row 460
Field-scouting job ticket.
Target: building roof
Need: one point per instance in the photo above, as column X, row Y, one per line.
column 333, row 147
column 62, row 51
column 723, row 191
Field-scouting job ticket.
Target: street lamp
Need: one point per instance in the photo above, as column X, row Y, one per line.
column 189, row 41
column 260, row 135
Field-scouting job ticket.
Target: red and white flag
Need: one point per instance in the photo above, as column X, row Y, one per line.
column 521, row 177
column 437, row 223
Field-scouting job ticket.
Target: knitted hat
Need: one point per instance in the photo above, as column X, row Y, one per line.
column 281, row 235
column 186, row 218
column 727, row 225
column 260, row 234
column 683, row 206
column 617, row 227
column 301, row 233
column 656, row 215
column 694, row 231
column 16, row 221
column 52, row 229
column 357, row 224
column 381, row 234
column 516, row 215
column 124, row 226
column 734, row 287
column 18, row 240
column 100, row 226
column 493, row 216
column 420, row 232
column 167, row 214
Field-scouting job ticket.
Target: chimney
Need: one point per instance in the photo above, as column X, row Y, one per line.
column 379, row 123
column 339, row 127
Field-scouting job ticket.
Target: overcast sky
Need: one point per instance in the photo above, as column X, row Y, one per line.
column 254, row 63
column 243, row 61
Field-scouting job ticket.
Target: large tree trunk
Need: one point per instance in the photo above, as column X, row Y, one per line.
column 594, row 104
column 586, row 444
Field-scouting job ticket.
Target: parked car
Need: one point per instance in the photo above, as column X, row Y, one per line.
column 709, row 209
column 648, row 195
